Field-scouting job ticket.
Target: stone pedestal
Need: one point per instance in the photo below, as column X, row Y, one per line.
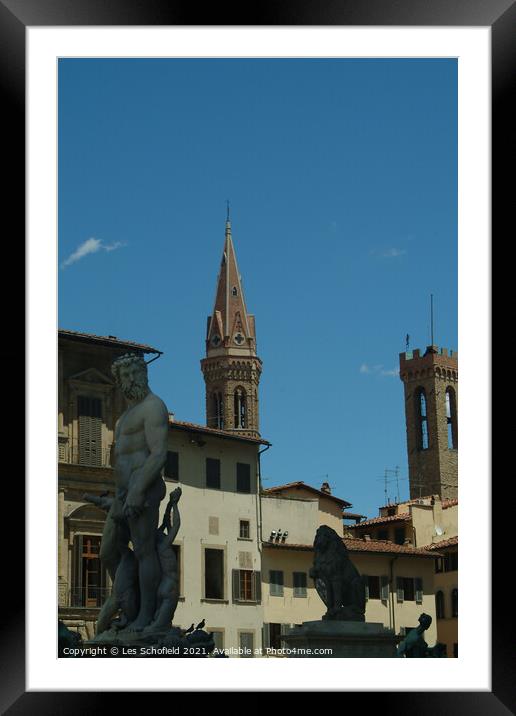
column 345, row 639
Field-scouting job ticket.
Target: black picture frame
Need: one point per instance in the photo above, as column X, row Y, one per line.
column 15, row 17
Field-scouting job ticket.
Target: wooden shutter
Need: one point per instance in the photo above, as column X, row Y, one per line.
column 90, row 430
column 236, row 584
column 257, row 584
column 172, row 465
column 400, row 593
column 418, row 587
column 266, row 642
column 243, row 477
column 384, row 588
column 213, row 473
column 76, row 595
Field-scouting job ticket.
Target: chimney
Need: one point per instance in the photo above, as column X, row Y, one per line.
column 325, row 487
column 367, row 538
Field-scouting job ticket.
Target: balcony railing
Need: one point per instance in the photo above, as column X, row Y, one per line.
column 71, row 451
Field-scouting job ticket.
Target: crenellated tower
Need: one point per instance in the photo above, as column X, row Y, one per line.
column 231, row 368
column 431, row 399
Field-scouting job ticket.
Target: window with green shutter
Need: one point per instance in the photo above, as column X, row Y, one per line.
column 384, row 586
column 300, row 584
column 247, row 585
column 90, row 430
column 373, row 587
column 276, row 583
column 171, row 471
column 246, row 640
column 213, row 473
column 243, row 477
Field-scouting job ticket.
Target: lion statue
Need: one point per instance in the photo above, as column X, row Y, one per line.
column 337, row 580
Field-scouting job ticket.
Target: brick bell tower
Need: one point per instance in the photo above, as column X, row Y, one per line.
column 231, row 368
column 431, row 399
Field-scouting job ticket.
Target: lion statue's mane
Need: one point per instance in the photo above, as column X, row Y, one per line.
column 337, row 580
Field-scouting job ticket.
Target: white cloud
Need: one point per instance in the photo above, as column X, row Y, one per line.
column 378, row 370
column 90, row 246
column 393, row 372
column 391, row 253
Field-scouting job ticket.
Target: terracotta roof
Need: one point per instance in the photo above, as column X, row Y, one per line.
column 182, row 425
column 373, row 545
column 352, row 516
column 450, row 503
column 402, row 517
column 106, row 340
column 300, row 484
column 444, row 503
column 450, row 542
column 361, row 545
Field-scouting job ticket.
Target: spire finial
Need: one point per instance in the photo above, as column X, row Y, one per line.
column 227, row 217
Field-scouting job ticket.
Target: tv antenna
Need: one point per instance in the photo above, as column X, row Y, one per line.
column 391, row 475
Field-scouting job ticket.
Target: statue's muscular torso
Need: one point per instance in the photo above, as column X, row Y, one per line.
column 132, row 449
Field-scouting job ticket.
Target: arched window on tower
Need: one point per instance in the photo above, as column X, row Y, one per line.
column 240, row 408
column 451, row 417
column 422, row 419
column 217, row 411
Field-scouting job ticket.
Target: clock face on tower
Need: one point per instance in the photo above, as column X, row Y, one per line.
column 215, row 340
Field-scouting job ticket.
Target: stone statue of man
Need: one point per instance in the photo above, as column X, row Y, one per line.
column 140, row 453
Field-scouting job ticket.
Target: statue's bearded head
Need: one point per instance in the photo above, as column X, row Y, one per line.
column 130, row 373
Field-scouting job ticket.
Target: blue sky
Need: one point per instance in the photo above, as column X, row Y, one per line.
column 342, row 180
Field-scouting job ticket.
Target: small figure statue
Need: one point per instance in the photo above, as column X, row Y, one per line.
column 337, row 580
column 414, row 646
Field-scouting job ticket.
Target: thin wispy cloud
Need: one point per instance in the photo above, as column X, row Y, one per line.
column 90, row 246
column 390, row 253
column 378, row 370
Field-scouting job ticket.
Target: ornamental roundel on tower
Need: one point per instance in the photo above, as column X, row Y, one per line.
column 231, row 367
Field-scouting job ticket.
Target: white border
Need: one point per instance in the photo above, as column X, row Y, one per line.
column 471, row 670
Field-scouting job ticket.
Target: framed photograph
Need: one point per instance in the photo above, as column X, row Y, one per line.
column 360, row 133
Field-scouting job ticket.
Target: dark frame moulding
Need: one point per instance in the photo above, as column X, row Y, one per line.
column 500, row 16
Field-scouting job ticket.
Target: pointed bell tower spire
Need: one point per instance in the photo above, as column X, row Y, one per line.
column 231, row 368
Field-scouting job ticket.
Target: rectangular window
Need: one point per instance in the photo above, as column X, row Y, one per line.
column 171, row 471
column 276, row 583
column 214, row 573
column 243, row 477
column 451, row 562
column 246, row 585
column 300, row 584
column 438, row 565
column 213, row 473
column 455, row 651
column 275, row 636
column 399, row 535
column 406, row 589
column 418, row 588
column 383, row 535
column 245, row 529
column 177, row 551
column 246, row 642
column 373, row 584
column 384, row 594
column 89, row 580
column 90, row 430
column 218, row 638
